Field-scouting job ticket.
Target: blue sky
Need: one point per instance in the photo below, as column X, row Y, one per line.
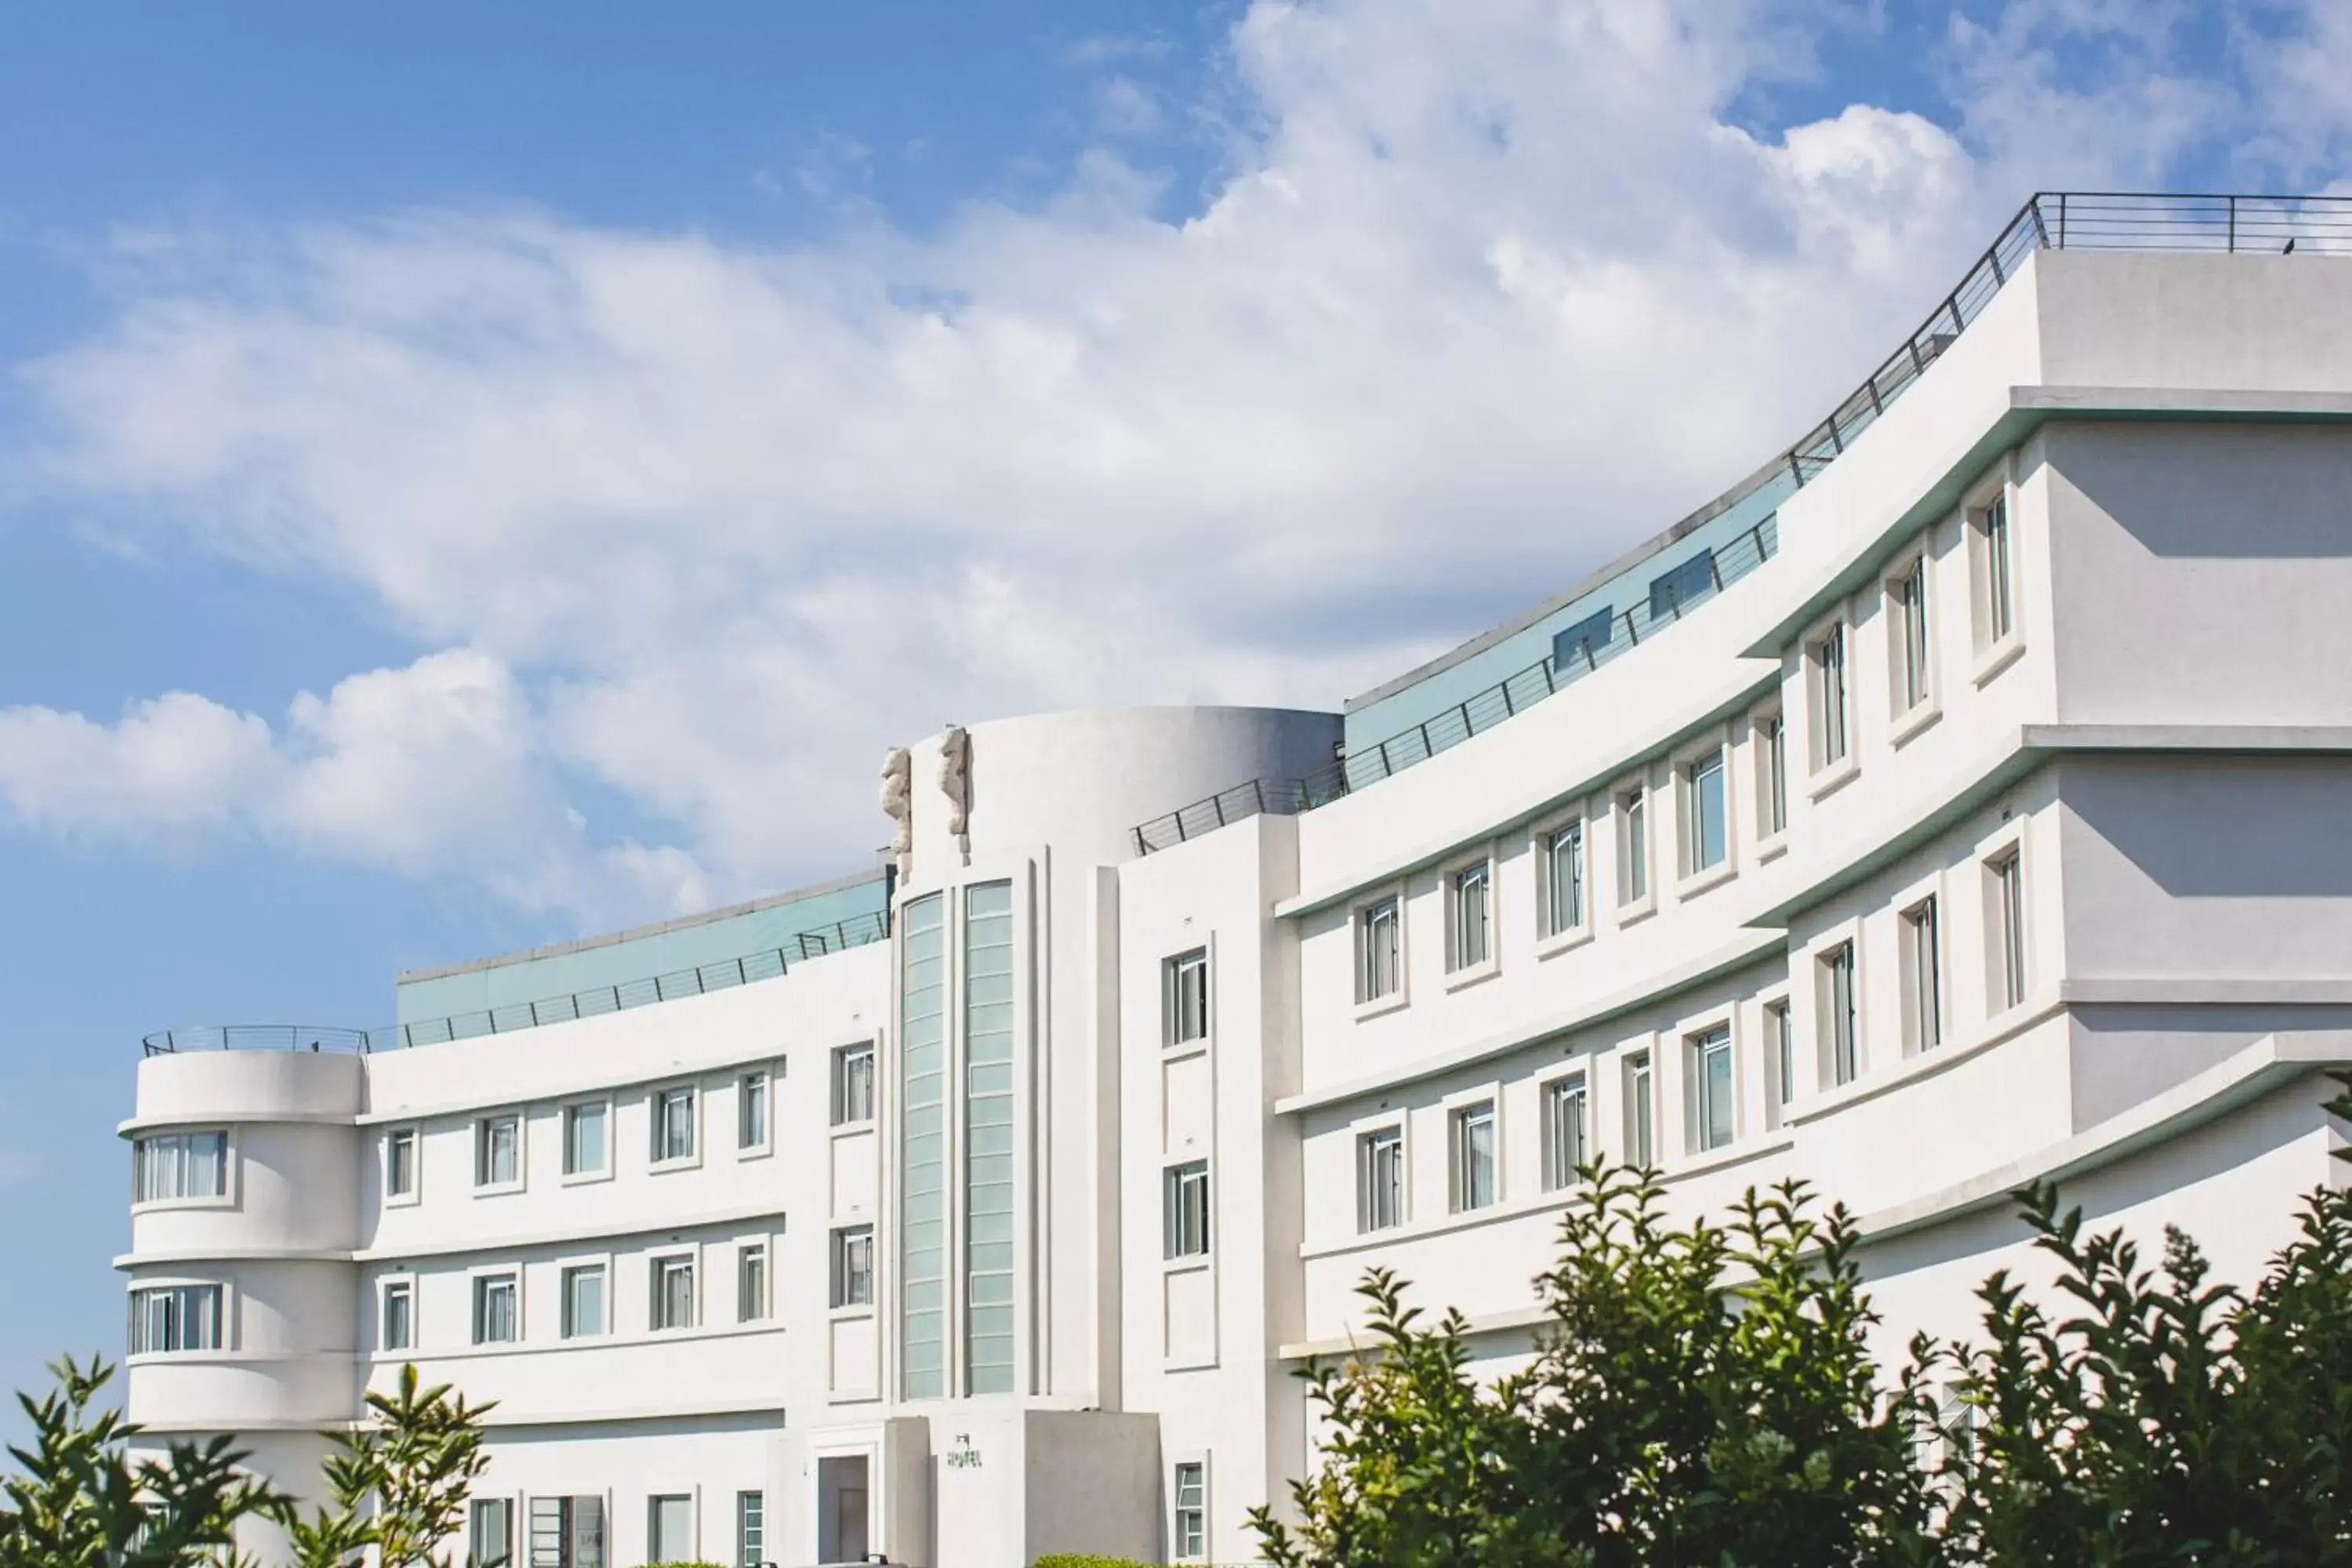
column 470, row 475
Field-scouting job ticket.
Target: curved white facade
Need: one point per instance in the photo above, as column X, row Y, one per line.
column 1982, row 832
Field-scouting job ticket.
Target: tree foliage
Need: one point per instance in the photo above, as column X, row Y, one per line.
column 1703, row 1397
column 397, row 1488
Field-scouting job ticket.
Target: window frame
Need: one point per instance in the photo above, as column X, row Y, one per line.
column 661, row 1267
column 754, row 1255
column 839, row 1101
column 1461, row 966
column 223, row 1302
column 566, row 1118
column 1363, row 917
column 1837, row 1016
column 2009, row 952
column 1995, row 624
column 1639, row 1073
column 479, row 1283
column 656, row 1543
column 1919, row 943
column 1635, row 841
column 1769, row 735
column 386, row 1287
column 750, row 1527
column 1831, row 750
column 1561, row 1172
column 1465, row 1114
column 1778, row 1014
column 1187, row 1214
column 414, row 1193
column 485, row 1123
column 657, row 1102
column 1178, row 995
column 755, row 1085
column 1911, row 685
column 1716, row 1038
column 1366, row 1139
column 1188, row 1544
column 1554, row 937
column 839, row 1256
column 226, row 1197
column 567, row 1323
column 477, row 1504
column 1716, row 759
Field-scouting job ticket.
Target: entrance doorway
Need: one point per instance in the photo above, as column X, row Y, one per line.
column 841, row 1534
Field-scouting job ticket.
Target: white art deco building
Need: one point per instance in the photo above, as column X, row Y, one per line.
column 1960, row 799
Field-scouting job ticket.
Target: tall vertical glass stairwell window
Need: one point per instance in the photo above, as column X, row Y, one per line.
column 1711, row 1087
column 1379, row 950
column 988, row 1110
column 1840, row 1047
column 1473, row 1140
column 1907, row 599
column 923, row 1148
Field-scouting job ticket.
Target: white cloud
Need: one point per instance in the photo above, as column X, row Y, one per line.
column 1488, row 292
column 430, row 771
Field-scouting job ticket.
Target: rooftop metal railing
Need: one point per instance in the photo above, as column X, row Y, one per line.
column 723, row 975
column 2057, row 220
column 267, row 1037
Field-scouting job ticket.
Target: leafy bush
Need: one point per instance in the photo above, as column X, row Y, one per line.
column 1704, row 1396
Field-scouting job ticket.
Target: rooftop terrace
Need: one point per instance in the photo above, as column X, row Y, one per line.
column 1499, row 674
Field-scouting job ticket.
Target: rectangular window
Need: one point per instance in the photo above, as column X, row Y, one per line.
column 1380, row 1179
column 1772, row 775
column 1473, row 1141
column 1906, row 598
column 489, row 1532
column 1641, row 1131
column 1923, row 978
column 672, row 1306
column 1706, row 814
column 498, row 1151
column 669, row 1528
column 1779, row 1040
column 1471, row 936
column 1184, row 997
column 1827, row 658
column 397, row 1317
column 1840, row 1048
column 1566, row 1146
column 167, row 1317
column 1683, row 587
column 586, row 1149
column 1633, row 846
column 168, row 1166
column 750, row 1528
column 1712, row 1116
column 752, row 1110
column 567, row 1532
column 1564, row 880
column 1379, row 951
column 672, row 1124
column 1996, row 591
column 2008, row 879
column 1188, row 1534
column 989, row 1139
column 1579, row 646
column 1185, row 1212
column 919, row 1101
column 400, row 1164
column 852, row 1265
column 583, row 1302
column 497, row 1316
column 751, row 1282
column 853, row 1084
